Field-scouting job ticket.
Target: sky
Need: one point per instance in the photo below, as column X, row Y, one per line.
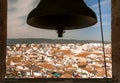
column 18, row 28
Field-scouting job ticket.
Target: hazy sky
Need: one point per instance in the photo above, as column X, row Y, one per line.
column 18, row 28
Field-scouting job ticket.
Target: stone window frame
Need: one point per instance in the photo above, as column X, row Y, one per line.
column 115, row 48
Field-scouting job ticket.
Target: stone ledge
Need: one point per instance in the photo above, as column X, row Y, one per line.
column 55, row 80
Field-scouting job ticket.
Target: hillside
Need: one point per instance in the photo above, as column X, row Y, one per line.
column 41, row 40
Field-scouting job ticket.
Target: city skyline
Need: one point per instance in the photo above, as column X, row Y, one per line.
column 18, row 28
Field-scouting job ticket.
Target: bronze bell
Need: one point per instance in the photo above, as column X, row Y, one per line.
column 61, row 15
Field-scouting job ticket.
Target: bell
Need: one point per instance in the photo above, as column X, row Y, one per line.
column 61, row 15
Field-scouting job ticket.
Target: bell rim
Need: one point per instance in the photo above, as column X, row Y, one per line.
column 31, row 22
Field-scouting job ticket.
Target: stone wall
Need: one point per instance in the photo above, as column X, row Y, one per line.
column 116, row 39
column 3, row 26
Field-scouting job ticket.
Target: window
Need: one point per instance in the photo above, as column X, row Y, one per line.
column 23, row 44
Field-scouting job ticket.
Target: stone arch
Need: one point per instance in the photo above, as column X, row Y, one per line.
column 115, row 38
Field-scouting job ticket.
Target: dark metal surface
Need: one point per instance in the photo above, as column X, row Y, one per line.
column 74, row 14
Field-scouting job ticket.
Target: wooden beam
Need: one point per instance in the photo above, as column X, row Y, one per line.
column 3, row 28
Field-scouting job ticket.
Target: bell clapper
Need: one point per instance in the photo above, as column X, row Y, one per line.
column 60, row 28
column 60, row 31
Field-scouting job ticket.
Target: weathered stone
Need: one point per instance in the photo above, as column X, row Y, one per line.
column 3, row 28
column 116, row 38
